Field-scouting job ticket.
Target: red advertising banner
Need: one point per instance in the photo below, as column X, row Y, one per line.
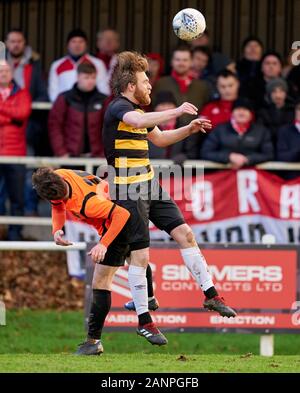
column 260, row 283
column 238, row 206
column 207, row 321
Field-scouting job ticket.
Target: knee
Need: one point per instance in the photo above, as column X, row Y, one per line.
column 101, row 281
column 185, row 237
column 140, row 258
column 101, row 284
column 190, row 237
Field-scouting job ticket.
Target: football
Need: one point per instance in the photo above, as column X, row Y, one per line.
column 189, row 24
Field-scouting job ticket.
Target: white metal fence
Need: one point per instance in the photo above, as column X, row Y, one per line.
column 40, row 246
column 90, row 163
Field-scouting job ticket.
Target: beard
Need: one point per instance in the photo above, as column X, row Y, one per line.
column 17, row 52
column 142, row 97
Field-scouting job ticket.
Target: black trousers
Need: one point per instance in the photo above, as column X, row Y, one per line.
column 12, row 181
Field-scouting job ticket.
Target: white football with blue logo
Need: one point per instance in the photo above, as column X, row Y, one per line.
column 189, row 24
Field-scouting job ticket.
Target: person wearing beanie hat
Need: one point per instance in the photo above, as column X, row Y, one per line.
column 239, row 142
column 242, row 103
column 277, row 83
column 76, row 33
column 63, row 72
column 278, row 109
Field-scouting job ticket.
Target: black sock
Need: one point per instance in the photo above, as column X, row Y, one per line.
column 211, row 292
column 149, row 281
column 100, row 307
column 144, row 318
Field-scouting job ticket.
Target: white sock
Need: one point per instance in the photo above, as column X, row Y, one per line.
column 138, row 286
column 197, row 265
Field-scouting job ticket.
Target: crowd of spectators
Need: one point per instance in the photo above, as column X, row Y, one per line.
column 253, row 103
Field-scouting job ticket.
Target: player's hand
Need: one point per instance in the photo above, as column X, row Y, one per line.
column 97, row 253
column 59, row 240
column 200, row 125
column 238, row 160
column 187, row 109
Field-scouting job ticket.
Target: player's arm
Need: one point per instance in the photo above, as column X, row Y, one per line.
column 166, row 138
column 151, row 119
column 105, row 209
column 58, row 221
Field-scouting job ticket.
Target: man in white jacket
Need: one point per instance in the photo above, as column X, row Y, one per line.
column 63, row 72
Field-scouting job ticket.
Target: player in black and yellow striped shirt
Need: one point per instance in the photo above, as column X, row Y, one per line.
column 127, row 129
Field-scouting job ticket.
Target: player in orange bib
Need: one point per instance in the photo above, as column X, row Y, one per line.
column 87, row 197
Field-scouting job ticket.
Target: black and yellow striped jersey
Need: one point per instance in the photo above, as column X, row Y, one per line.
column 126, row 148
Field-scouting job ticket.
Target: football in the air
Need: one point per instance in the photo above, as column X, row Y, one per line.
column 189, row 24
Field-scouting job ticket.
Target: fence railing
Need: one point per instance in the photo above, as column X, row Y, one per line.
column 39, row 246
column 90, row 163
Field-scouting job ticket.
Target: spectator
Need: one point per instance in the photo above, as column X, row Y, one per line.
column 181, row 84
column 249, row 65
column 26, row 65
column 27, row 73
column 75, row 120
column 156, row 67
column 63, row 73
column 15, row 107
column 164, row 101
column 239, row 142
column 278, row 109
column 200, row 62
column 108, row 44
column 255, row 88
column 288, row 143
column 201, row 67
column 219, row 111
column 219, row 61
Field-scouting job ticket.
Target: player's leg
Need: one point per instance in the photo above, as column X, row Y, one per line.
column 152, row 301
column 196, row 263
column 100, row 306
column 139, row 240
column 101, row 302
column 165, row 214
column 139, row 260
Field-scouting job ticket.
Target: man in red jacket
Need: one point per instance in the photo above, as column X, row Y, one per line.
column 75, row 121
column 219, row 111
column 27, row 73
column 15, row 108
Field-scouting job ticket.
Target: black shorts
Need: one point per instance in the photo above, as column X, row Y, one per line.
column 119, row 248
column 155, row 205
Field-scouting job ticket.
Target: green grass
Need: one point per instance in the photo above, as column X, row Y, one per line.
column 43, row 341
column 147, row 363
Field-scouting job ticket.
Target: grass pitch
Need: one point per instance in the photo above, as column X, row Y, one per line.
column 43, row 341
